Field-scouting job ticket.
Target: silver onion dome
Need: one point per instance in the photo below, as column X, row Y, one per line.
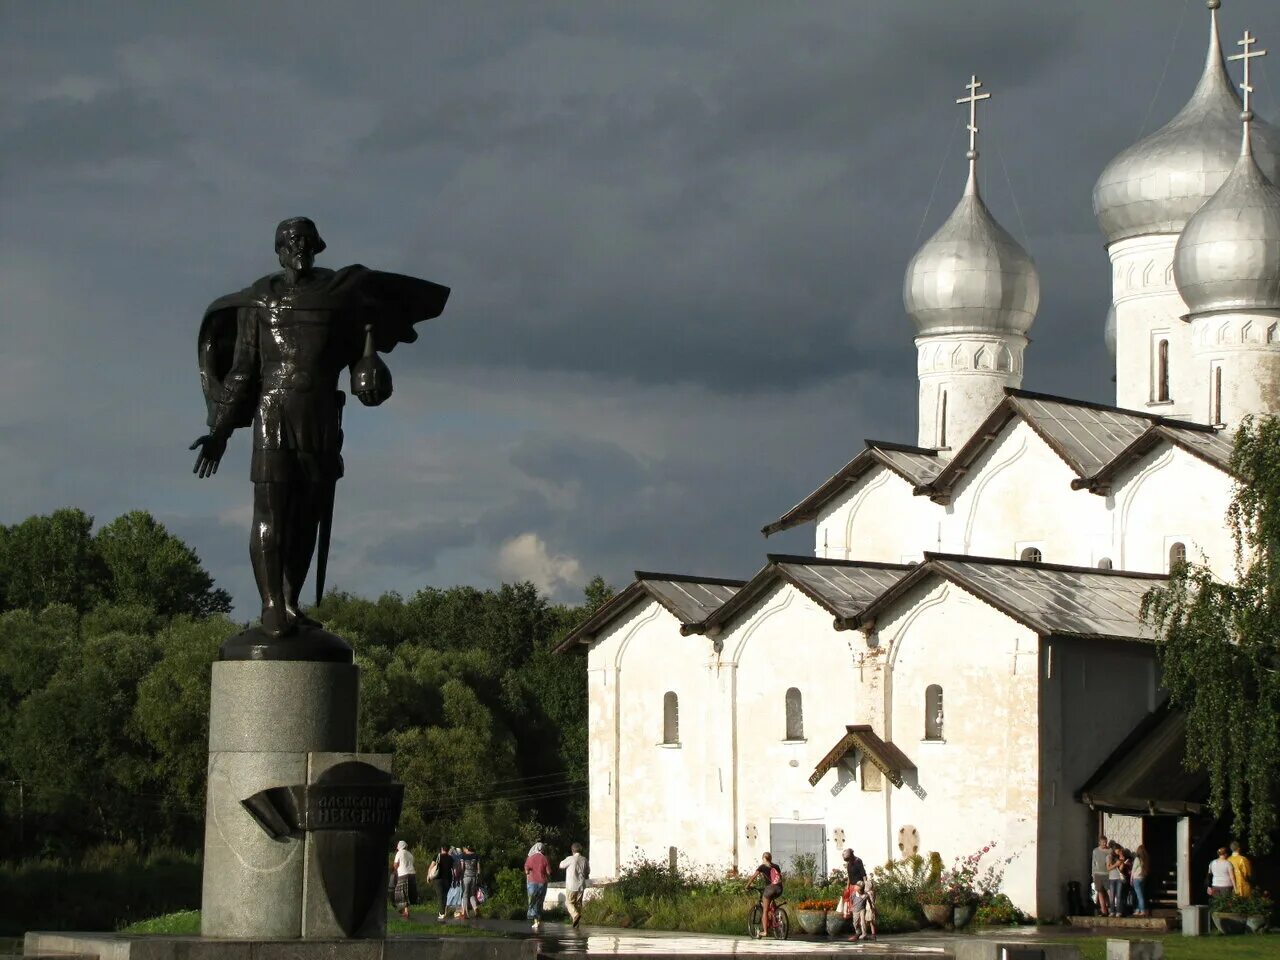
column 1158, row 183
column 971, row 276
column 1109, row 331
column 1228, row 256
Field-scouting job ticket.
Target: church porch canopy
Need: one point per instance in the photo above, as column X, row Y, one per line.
column 1145, row 774
column 890, row 761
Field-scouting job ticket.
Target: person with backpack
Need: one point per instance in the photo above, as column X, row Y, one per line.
column 770, row 875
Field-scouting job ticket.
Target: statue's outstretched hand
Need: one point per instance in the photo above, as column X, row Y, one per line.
column 212, row 447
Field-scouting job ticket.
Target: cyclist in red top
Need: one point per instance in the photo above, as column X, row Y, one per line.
column 770, row 875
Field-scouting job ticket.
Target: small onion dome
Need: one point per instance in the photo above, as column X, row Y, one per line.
column 1109, row 331
column 1158, row 183
column 971, row 276
column 1228, row 257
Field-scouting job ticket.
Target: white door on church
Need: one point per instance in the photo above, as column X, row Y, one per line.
column 789, row 840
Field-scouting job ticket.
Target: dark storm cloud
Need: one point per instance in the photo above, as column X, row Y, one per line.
column 676, row 234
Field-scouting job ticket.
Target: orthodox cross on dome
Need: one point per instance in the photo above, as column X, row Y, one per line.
column 1247, row 114
column 972, row 100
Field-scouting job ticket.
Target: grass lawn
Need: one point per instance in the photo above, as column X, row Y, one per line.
column 187, row 922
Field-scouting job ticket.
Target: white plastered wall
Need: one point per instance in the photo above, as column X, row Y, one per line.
column 1017, row 493
column 972, row 370
column 787, row 640
column 980, row 783
column 1149, row 309
column 878, row 518
column 1171, row 495
column 1246, row 347
column 646, row 796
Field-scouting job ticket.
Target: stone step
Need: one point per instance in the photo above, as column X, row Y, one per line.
column 1158, row 924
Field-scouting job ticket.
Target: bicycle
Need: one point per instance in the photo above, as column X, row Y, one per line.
column 779, row 921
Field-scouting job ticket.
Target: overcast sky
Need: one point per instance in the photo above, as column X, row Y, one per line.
column 675, row 234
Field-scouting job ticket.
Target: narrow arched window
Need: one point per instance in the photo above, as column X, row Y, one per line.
column 1031, row 555
column 670, row 718
column 1162, row 370
column 933, row 712
column 795, row 715
column 1105, row 564
column 1177, row 555
column 1216, row 416
column 942, row 421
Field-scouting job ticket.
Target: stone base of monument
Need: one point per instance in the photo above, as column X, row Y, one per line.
column 118, row 946
column 298, row 828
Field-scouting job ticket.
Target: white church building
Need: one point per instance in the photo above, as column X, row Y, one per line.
column 962, row 659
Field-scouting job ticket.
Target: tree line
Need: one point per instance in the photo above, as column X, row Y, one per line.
column 106, row 641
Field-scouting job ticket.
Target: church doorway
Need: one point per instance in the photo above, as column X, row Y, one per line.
column 790, row 840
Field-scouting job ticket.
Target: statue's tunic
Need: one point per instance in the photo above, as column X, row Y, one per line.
column 271, row 355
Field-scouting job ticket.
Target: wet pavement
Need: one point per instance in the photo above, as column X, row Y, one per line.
column 561, row 940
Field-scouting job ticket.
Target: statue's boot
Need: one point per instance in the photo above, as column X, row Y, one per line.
column 276, row 621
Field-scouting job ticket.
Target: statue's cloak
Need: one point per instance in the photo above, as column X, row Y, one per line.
column 391, row 302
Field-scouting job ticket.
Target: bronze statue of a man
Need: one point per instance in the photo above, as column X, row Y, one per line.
column 270, row 356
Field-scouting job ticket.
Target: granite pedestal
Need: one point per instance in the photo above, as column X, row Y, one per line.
column 265, row 717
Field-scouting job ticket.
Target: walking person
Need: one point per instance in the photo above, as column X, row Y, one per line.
column 537, row 871
column 406, row 888
column 1098, row 866
column 1138, row 873
column 1222, row 875
column 1242, row 868
column 441, row 874
column 575, row 869
column 470, row 866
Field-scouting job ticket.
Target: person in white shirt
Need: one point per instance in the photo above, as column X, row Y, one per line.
column 406, row 891
column 575, row 869
column 1222, row 875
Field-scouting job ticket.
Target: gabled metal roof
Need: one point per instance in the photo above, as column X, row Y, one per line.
column 1051, row 599
column 1093, row 439
column 842, row 587
column 689, row 599
column 916, row 465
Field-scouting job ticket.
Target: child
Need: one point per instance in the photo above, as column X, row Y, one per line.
column 858, row 905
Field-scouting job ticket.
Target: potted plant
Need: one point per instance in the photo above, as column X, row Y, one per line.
column 812, row 915
column 964, row 888
column 837, row 923
column 1234, row 913
column 935, row 902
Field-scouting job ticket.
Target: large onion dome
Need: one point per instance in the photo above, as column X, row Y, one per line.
column 971, row 276
column 1228, row 256
column 1158, row 183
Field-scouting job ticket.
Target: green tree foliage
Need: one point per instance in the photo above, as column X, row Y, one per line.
column 53, row 559
column 146, row 564
column 1220, row 645
column 106, row 644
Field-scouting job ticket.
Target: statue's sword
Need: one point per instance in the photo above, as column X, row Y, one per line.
column 326, row 513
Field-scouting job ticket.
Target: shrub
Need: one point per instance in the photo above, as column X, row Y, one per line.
column 112, row 887
column 649, row 878
column 893, row 916
column 999, row 911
